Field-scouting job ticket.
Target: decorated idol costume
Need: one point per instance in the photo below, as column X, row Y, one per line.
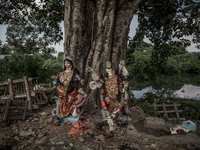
column 114, row 92
column 70, row 99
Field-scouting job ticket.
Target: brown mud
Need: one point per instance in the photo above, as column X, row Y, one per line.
column 37, row 134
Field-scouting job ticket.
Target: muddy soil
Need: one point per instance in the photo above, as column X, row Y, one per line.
column 37, row 133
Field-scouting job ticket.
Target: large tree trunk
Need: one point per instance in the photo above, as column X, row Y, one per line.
column 97, row 31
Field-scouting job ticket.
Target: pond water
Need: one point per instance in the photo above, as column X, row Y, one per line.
column 182, row 86
column 187, row 91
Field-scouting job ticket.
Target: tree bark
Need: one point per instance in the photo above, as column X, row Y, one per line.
column 97, row 31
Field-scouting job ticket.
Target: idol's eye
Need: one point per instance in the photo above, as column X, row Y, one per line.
column 67, row 62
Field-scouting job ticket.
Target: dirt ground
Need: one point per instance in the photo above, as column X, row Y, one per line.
column 37, row 133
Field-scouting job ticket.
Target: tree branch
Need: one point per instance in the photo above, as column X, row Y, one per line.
column 195, row 16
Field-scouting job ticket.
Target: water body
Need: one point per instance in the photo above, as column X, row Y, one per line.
column 182, row 86
column 187, row 92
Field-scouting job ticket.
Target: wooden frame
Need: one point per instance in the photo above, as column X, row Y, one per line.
column 168, row 109
column 18, row 98
column 13, row 110
column 21, row 95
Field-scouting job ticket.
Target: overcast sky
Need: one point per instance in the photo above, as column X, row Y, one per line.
column 59, row 46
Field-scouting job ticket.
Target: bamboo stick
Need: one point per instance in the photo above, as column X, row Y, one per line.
column 10, row 89
column 28, row 93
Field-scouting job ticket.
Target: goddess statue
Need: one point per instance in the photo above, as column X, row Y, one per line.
column 114, row 91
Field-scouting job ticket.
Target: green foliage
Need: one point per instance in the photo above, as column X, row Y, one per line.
column 161, row 21
column 18, row 65
column 23, row 37
column 146, row 105
column 188, row 63
column 45, row 56
column 40, row 21
column 60, row 56
column 165, row 23
column 4, row 49
column 151, row 63
column 140, row 65
column 138, row 59
column 191, row 109
column 171, row 66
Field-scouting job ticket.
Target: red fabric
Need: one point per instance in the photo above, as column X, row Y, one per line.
column 78, row 127
column 121, row 87
column 74, row 93
column 60, row 88
column 181, row 131
column 79, row 99
column 120, row 106
column 68, row 123
column 66, row 106
column 72, row 110
column 86, row 116
column 103, row 105
column 61, row 94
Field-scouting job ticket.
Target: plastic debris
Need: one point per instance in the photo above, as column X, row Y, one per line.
column 191, row 126
column 178, row 127
column 60, row 143
column 52, row 142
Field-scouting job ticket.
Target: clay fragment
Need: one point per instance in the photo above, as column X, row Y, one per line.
column 102, row 138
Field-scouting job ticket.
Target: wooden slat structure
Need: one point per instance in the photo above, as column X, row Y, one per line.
column 169, row 110
column 19, row 96
column 24, row 89
column 13, row 110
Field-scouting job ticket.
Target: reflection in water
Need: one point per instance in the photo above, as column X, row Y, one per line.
column 190, row 92
column 187, row 91
column 139, row 94
column 183, row 86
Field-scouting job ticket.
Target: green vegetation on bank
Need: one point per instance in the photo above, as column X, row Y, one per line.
column 190, row 107
column 18, row 65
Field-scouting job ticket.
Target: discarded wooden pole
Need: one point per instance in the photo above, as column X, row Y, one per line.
column 10, row 89
column 28, row 93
